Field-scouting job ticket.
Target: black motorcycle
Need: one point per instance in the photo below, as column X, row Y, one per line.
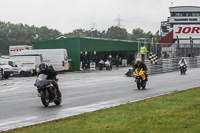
column 47, row 91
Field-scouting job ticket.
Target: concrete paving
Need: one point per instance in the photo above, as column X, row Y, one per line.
column 82, row 92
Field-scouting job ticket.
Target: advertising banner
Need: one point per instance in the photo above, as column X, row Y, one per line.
column 186, row 31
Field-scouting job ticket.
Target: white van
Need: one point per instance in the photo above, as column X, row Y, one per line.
column 13, row 50
column 58, row 58
column 18, row 69
column 29, row 60
column 7, row 70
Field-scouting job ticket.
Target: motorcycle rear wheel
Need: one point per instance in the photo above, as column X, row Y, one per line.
column 45, row 98
column 138, row 83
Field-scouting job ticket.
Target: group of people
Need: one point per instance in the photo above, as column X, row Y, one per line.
column 84, row 58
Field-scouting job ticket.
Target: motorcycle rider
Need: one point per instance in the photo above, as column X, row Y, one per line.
column 141, row 64
column 51, row 75
column 183, row 61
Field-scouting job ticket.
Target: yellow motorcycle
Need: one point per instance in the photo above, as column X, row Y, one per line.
column 140, row 78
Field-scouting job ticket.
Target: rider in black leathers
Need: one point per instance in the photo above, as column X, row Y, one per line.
column 140, row 64
column 51, row 74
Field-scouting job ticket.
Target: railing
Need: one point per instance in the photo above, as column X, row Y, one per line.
column 166, row 51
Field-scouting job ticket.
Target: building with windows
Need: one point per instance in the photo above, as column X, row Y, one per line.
column 180, row 15
column 181, row 32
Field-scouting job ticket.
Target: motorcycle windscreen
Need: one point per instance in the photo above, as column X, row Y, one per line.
column 41, row 80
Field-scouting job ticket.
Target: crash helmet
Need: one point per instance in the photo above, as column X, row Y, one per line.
column 110, row 56
column 138, row 60
column 43, row 66
column 182, row 58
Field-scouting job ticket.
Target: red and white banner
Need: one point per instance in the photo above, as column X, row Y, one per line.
column 186, row 31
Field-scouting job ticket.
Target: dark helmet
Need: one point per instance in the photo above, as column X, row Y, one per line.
column 42, row 66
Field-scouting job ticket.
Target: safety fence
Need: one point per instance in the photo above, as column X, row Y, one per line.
column 171, row 64
column 175, row 50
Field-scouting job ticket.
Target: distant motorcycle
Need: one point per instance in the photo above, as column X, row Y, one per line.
column 182, row 67
column 140, row 78
column 48, row 92
column 108, row 66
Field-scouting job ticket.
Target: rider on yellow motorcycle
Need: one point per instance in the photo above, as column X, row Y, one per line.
column 142, row 65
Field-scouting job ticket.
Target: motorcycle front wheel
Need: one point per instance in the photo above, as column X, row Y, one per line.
column 59, row 99
column 144, row 84
column 45, row 98
column 138, row 83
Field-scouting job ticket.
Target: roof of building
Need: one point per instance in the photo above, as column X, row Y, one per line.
column 168, row 38
column 184, row 8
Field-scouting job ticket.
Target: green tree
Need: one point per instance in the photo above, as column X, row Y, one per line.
column 78, row 32
column 19, row 34
column 115, row 32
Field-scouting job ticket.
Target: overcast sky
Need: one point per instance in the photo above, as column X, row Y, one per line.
column 68, row 15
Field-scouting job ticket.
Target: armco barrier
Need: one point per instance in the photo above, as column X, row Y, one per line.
column 168, row 65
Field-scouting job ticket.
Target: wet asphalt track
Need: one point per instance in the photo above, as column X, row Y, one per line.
column 82, row 92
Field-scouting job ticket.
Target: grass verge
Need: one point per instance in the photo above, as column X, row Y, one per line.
column 177, row 112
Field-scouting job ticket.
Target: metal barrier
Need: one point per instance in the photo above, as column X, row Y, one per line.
column 168, row 65
column 166, row 51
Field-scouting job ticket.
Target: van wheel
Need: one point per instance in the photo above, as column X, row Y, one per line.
column 28, row 74
column 22, row 74
column 6, row 76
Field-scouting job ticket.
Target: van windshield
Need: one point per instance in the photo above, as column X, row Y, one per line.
column 18, row 64
column 2, row 62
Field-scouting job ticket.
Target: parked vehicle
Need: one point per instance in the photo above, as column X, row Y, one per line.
column 13, row 50
column 18, row 69
column 29, row 60
column 140, row 78
column 48, row 92
column 7, row 70
column 58, row 58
